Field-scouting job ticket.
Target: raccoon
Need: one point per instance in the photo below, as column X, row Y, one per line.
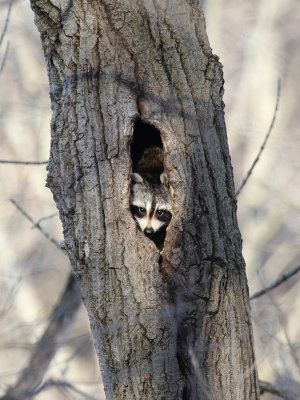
column 150, row 200
column 150, row 165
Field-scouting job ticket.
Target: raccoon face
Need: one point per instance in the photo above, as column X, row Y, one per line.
column 150, row 204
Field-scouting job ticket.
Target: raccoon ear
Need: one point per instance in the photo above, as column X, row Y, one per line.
column 164, row 179
column 135, row 177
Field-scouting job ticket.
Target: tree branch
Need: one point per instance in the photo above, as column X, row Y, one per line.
column 245, row 180
column 36, row 225
column 45, row 349
column 64, row 385
column 23, row 162
column 3, row 61
column 275, row 284
column 45, row 218
column 266, row 387
column 6, row 21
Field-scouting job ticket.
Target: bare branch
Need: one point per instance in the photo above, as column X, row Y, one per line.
column 23, row 162
column 45, row 219
column 36, row 225
column 266, row 387
column 4, row 58
column 63, row 314
column 45, row 349
column 275, row 284
column 245, row 180
column 5, row 3
column 284, row 326
column 6, row 21
column 65, row 385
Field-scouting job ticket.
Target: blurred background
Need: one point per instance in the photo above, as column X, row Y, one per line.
column 258, row 43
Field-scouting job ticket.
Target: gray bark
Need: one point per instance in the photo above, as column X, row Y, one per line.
column 179, row 328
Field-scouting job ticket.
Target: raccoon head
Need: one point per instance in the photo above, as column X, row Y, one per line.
column 150, row 204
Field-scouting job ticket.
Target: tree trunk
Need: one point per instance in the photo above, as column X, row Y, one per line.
column 166, row 325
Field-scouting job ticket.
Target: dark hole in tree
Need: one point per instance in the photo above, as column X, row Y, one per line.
column 145, row 138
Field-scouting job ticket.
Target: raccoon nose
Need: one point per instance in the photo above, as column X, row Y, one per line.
column 148, row 231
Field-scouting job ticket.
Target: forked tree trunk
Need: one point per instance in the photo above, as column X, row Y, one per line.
column 174, row 325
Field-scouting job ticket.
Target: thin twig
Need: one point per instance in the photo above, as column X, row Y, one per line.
column 4, row 58
column 45, row 349
column 36, row 224
column 282, row 317
column 6, row 2
column 45, row 219
column 65, row 385
column 245, row 180
column 23, row 162
column 267, row 387
column 6, row 22
column 275, row 284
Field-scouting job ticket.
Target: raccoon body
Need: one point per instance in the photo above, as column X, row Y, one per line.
column 150, row 196
column 151, row 164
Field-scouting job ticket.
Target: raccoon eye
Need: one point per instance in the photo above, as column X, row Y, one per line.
column 138, row 211
column 164, row 215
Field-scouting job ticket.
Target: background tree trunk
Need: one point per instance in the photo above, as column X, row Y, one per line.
column 174, row 325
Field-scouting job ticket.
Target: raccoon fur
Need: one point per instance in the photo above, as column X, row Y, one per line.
column 151, row 164
column 150, row 200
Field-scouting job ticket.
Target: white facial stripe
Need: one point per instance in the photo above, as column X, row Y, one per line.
column 156, row 224
column 148, row 208
column 142, row 222
column 147, row 221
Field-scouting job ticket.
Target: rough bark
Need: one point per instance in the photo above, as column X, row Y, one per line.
column 176, row 326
